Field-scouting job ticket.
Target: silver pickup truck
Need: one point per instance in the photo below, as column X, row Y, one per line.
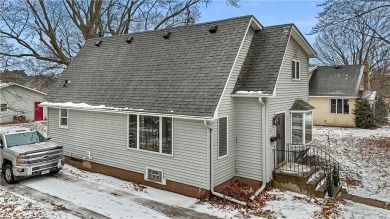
column 25, row 153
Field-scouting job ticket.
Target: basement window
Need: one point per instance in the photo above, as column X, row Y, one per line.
column 64, row 116
column 4, row 107
column 295, row 70
column 301, row 127
column 155, row 175
column 151, row 133
column 339, row 106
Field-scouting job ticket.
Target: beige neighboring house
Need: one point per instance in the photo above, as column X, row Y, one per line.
column 18, row 100
column 333, row 91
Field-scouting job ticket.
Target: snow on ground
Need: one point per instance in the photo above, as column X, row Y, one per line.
column 106, row 204
column 360, row 211
column 151, row 193
column 364, row 156
column 15, row 206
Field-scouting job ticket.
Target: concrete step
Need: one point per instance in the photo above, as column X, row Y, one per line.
column 316, row 177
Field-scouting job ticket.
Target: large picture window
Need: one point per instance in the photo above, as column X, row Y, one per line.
column 222, row 137
column 150, row 133
column 301, row 128
column 339, row 106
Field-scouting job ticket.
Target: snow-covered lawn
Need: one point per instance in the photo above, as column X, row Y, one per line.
column 364, row 156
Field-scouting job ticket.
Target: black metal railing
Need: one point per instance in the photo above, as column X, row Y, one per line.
column 302, row 158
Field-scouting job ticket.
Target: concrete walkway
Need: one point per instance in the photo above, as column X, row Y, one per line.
column 365, row 201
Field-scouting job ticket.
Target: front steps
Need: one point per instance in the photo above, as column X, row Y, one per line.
column 311, row 182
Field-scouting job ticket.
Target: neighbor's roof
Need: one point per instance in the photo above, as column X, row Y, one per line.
column 262, row 64
column 182, row 75
column 336, row 81
column 4, row 85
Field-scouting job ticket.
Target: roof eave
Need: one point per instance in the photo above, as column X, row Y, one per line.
column 297, row 35
column 31, row 89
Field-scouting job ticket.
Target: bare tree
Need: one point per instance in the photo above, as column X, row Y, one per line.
column 342, row 14
column 352, row 31
column 49, row 33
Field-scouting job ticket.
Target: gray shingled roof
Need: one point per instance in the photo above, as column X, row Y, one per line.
column 336, row 81
column 261, row 67
column 182, row 75
column 301, row 105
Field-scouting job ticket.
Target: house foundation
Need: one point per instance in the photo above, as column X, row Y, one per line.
column 131, row 176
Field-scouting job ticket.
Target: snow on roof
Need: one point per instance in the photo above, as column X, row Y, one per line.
column 85, row 106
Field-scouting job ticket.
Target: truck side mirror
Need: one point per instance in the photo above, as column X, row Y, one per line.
column 1, row 143
column 48, row 138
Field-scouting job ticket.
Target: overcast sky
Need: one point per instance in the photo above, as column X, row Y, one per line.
column 268, row 12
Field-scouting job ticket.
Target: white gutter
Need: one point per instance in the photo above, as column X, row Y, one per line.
column 264, row 142
column 209, row 145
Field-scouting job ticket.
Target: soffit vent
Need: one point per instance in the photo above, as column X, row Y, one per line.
column 129, row 40
column 98, row 43
column 213, row 29
column 167, row 35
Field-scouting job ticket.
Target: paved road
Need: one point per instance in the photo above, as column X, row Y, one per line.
column 31, row 188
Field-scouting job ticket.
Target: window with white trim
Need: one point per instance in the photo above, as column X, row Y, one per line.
column 339, row 106
column 154, row 175
column 295, row 71
column 151, row 133
column 64, row 115
column 222, row 137
column 301, row 127
column 4, row 107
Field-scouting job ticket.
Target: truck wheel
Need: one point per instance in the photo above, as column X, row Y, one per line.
column 55, row 172
column 8, row 174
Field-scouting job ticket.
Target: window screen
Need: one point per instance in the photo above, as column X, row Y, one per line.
column 167, row 135
column 154, row 175
column 222, row 137
column 133, row 131
column 149, row 128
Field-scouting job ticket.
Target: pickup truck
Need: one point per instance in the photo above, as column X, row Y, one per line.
column 25, row 153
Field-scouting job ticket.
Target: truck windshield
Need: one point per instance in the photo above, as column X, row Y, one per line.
column 24, row 138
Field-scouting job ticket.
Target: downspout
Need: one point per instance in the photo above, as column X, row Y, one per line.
column 264, row 151
column 209, row 145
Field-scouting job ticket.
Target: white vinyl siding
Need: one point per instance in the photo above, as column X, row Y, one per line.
column 287, row 91
column 104, row 135
column 249, row 138
column 19, row 101
column 224, row 169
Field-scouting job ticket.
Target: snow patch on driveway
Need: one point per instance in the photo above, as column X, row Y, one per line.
column 106, row 204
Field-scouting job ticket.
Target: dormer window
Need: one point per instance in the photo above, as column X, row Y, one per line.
column 295, row 74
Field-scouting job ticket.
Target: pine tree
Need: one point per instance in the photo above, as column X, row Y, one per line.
column 364, row 114
column 381, row 112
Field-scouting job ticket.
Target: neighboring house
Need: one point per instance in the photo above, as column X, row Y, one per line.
column 18, row 100
column 334, row 91
column 185, row 109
